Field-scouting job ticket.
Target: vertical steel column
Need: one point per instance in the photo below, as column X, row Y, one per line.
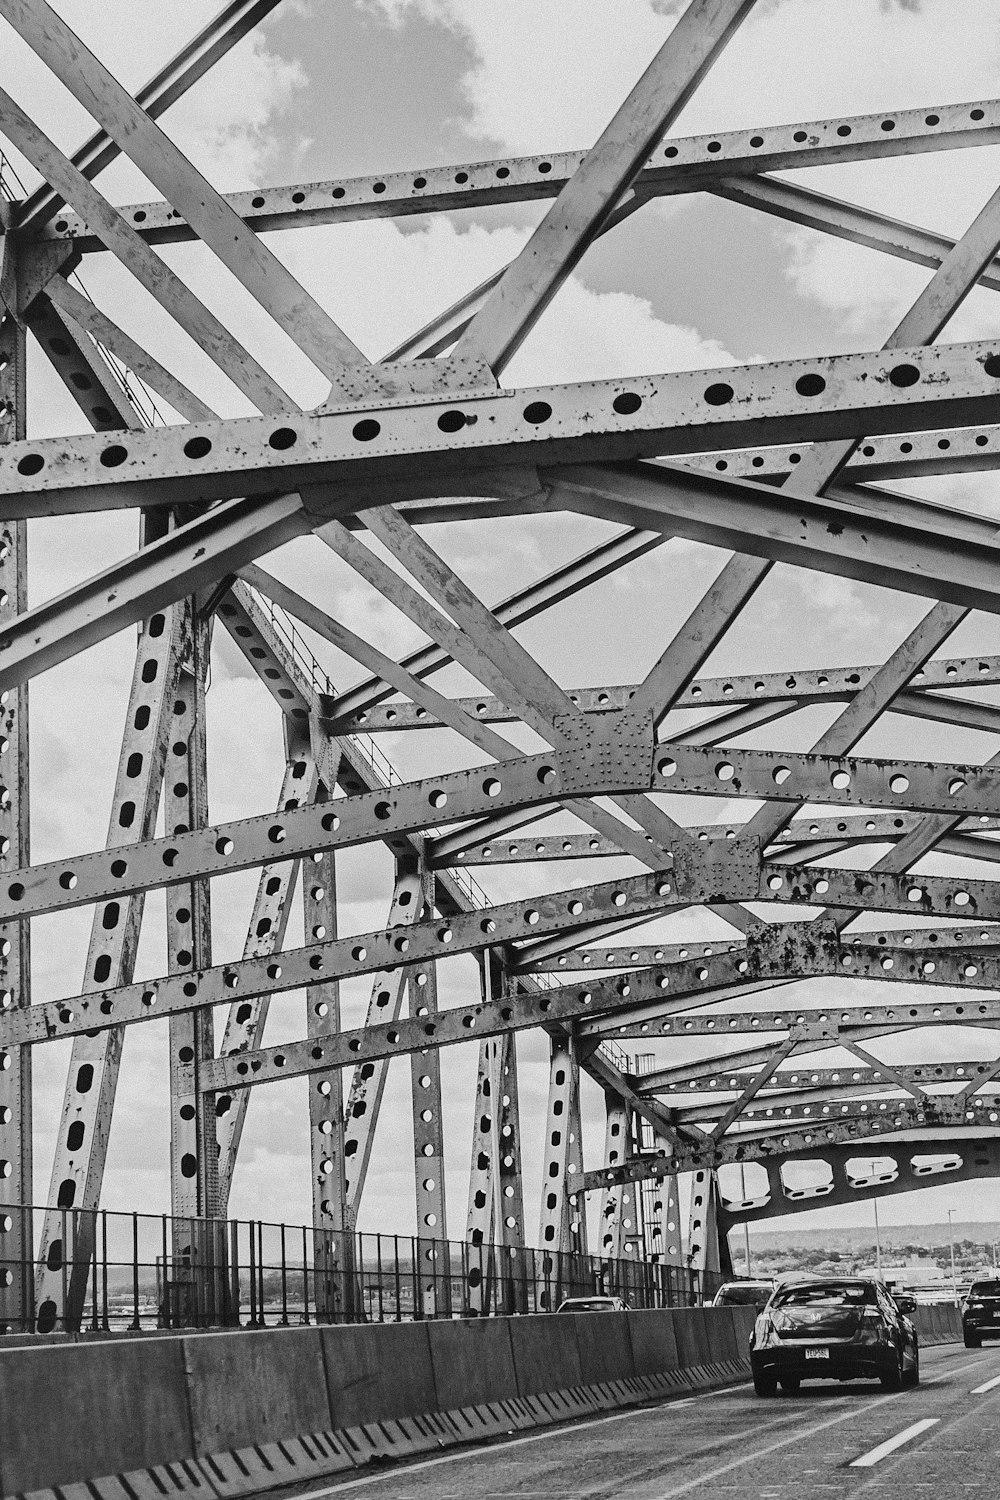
column 428, row 1137
column 333, row 1260
column 479, row 1220
column 660, row 1218
column 483, row 1219
column 265, row 935
column 616, row 1202
column 190, row 1292
column 368, row 1081
column 81, row 1147
column 510, row 1186
column 16, row 1254
column 563, row 1224
column 707, row 1250
column 662, row 1221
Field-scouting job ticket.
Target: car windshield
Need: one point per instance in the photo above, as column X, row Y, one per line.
column 985, row 1289
column 588, row 1304
column 825, row 1294
column 745, row 1294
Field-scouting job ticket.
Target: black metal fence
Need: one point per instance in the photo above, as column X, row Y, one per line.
column 132, row 1272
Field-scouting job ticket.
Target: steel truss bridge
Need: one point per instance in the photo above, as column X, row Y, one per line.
column 782, row 462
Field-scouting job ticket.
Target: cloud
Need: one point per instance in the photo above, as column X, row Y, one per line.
column 540, row 77
column 548, row 78
column 225, row 123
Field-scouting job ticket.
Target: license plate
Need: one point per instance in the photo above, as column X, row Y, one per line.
column 817, row 1354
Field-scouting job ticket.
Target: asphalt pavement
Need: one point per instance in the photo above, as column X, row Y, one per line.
column 941, row 1439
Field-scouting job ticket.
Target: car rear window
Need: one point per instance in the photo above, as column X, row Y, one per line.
column 985, row 1289
column 822, row 1294
column 745, row 1295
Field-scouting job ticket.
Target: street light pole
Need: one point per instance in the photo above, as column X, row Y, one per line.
column 746, row 1222
column 951, row 1241
column 878, row 1243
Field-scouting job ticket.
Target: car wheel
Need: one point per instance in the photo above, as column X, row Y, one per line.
column 790, row 1384
column 973, row 1341
column 764, row 1384
column 912, row 1377
column 892, row 1379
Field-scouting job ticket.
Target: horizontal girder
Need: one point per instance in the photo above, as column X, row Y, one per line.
column 613, row 755
column 814, row 685
column 681, row 164
column 925, row 1125
column 415, row 441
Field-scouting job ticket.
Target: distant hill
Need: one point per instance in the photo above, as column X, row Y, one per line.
column 858, row 1237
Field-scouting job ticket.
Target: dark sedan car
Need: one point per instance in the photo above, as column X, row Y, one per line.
column 834, row 1328
column 981, row 1313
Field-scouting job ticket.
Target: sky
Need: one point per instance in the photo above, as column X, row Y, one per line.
column 325, row 91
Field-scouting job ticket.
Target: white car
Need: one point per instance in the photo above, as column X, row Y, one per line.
column 592, row 1304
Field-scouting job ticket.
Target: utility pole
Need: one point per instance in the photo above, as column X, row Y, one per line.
column 746, row 1223
column 878, row 1243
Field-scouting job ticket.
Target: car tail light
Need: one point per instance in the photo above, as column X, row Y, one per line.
column 872, row 1329
column 761, row 1331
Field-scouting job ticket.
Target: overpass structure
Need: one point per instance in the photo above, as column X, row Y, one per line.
column 736, row 1060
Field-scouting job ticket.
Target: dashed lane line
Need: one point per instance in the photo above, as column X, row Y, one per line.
column 550, row 1433
column 987, row 1385
column 851, row 1413
column 875, row 1455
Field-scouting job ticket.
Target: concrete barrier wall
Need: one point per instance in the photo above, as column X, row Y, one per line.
column 232, row 1413
column 938, row 1324
column 68, row 1411
column 256, row 1389
column 473, row 1362
column 371, row 1380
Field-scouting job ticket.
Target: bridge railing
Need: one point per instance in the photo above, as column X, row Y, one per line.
column 149, row 1271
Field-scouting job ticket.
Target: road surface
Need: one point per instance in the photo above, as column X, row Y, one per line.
column 941, row 1440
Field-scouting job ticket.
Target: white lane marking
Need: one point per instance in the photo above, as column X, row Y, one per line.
column 549, row 1433
column 876, row 1455
column 749, row 1458
column 970, row 1364
column 987, row 1385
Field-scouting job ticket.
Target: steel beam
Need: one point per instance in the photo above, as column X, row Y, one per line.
column 401, row 446
column 894, row 547
column 184, row 561
column 208, row 331
column 355, row 706
column 81, row 1146
column 333, row 1245
column 156, row 156
column 16, row 1186
column 166, row 86
column 601, row 179
column 195, row 1283
column 80, row 311
column 617, row 1218
column 245, row 1022
column 563, row 1224
column 88, row 377
column 722, row 162
column 427, row 1106
column 368, row 1083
